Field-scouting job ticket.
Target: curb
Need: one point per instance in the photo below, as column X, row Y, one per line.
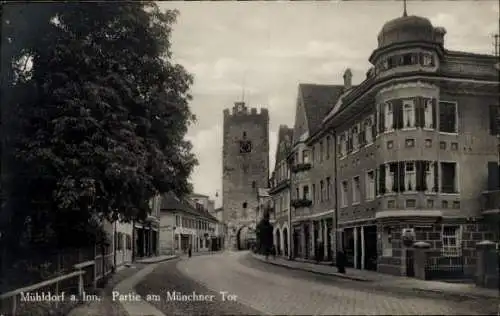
column 131, row 282
column 459, row 296
column 158, row 260
column 455, row 295
column 333, row 274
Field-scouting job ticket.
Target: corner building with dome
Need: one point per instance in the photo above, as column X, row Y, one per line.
column 416, row 155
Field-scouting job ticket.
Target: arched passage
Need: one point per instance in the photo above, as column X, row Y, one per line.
column 285, row 241
column 244, row 238
column 277, row 244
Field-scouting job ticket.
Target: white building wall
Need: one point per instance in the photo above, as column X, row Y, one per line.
column 167, row 224
column 123, row 249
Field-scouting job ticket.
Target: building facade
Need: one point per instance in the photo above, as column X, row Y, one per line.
column 146, row 233
column 279, row 191
column 220, row 227
column 312, row 163
column 123, row 243
column 415, row 146
column 185, row 226
column 245, row 164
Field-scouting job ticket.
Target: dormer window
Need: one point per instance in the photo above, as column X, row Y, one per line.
column 355, row 138
column 427, row 60
column 409, row 59
column 385, row 64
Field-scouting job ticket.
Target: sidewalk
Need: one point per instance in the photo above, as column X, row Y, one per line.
column 139, row 307
column 388, row 281
column 106, row 306
column 123, row 282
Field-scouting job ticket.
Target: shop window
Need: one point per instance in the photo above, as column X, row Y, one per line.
column 451, row 239
column 387, row 242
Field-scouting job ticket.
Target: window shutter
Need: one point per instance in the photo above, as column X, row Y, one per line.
column 361, row 135
column 381, row 126
column 374, row 126
column 381, row 179
column 376, row 181
column 401, row 169
column 436, row 176
column 494, row 119
column 419, row 112
column 393, row 168
column 397, row 107
column 434, row 113
column 493, row 176
column 419, row 169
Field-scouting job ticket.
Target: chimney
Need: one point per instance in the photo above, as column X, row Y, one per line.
column 347, row 79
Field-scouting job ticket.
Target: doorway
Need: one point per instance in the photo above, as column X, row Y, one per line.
column 348, row 245
column 370, row 239
column 307, row 241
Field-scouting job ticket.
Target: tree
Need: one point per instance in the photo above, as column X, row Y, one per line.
column 102, row 113
column 264, row 235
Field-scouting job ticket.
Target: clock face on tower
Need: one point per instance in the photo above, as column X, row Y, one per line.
column 245, row 146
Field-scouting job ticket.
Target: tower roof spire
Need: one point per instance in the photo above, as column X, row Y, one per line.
column 404, row 8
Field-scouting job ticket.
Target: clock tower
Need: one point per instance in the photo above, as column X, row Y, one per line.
column 245, row 168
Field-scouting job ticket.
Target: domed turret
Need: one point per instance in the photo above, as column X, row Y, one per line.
column 407, row 29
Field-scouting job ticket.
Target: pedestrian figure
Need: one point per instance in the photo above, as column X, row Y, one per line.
column 341, row 261
column 189, row 252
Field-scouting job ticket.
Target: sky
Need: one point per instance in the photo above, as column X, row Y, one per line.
column 268, row 48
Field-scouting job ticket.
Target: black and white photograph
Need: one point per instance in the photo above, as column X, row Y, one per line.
column 250, row 158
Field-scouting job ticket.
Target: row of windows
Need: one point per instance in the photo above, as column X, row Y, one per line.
column 281, row 204
column 281, row 173
column 322, row 194
column 415, row 112
column 191, row 223
column 407, row 59
column 402, row 176
column 122, row 241
column 359, row 135
column 318, row 153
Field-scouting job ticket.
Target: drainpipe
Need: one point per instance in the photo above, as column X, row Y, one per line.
column 290, row 226
column 335, row 188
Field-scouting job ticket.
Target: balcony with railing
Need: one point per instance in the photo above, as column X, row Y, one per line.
column 300, row 167
column 279, row 185
column 490, row 202
column 303, row 202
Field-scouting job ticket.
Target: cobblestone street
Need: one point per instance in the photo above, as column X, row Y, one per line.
column 266, row 289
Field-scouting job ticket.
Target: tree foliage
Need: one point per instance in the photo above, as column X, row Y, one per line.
column 264, row 235
column 99, row 118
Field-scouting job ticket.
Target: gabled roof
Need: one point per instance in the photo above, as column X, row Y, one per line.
column 318, row 100
column 170, row 202
column 285, row 136
column 338, row 104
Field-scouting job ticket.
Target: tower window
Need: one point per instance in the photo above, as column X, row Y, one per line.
column 245, row 147
column 253, row 184
column 244, row 134
column 245, row 204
